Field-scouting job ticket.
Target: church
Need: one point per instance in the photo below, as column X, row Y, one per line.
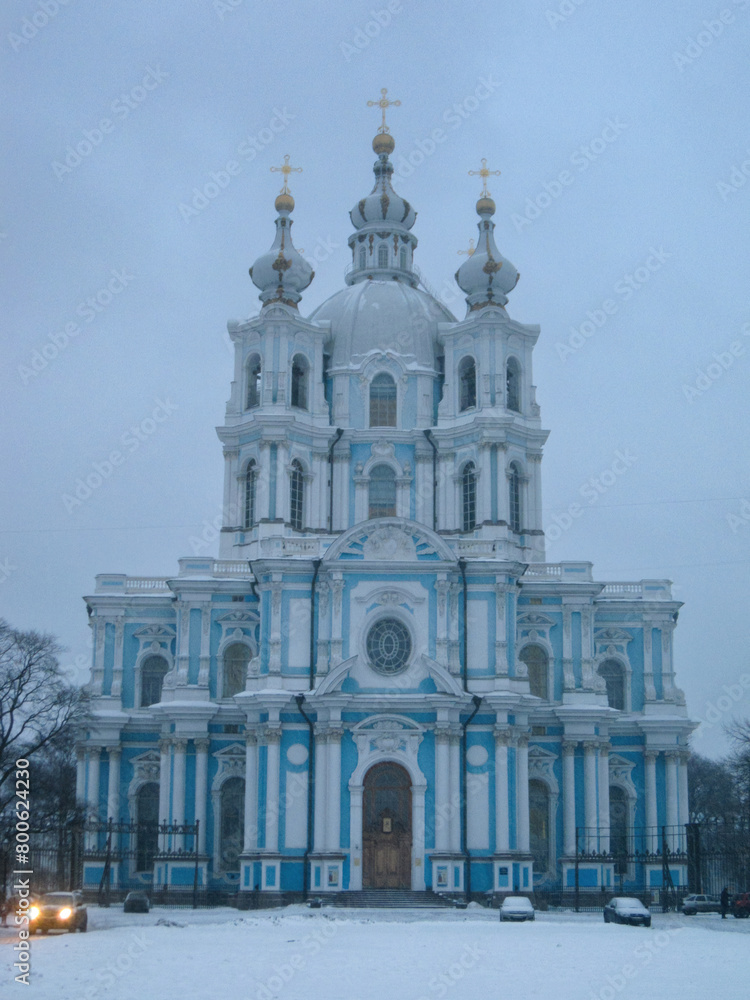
column 379, row 682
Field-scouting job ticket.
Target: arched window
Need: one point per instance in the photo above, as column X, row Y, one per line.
column 382, row 255
column 402, row 258
column 300, row 370
column 619, row 821
column 253, row 382
column 539, row 825
column 362, row 257
column 382, row 401
column 513, row 385
column 537, row 663
column 147, row 818
column 236, row 659
column 382, row 491
column 514, row 497
column 614, row 678
column 231, row 824
column 469, row 497
column 296, row 495
column 467, row 384
column 249, row 514
column 153, row 671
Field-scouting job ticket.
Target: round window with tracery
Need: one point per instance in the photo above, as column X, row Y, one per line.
column 389, row 646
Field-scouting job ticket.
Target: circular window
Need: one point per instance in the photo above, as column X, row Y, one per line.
column 389, row 645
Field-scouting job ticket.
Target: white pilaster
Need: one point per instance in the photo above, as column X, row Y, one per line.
column 178, row 790
column 672, row 759
column 569, row 798
column 251, row 793
column 604, row 797
column 201, row 791
column 92, row 791
column 442, row 790
column 522, row 793
column 333, row 805
column 589, row 793
column 652, row 834
column 113, row 784
column 502, row 828
column 164, row 782
column 455, row 793
column 272, row 739
column 321, row 760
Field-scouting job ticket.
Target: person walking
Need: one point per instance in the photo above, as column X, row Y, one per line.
column 724, row 902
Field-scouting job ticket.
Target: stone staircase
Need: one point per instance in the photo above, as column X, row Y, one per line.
column 389, row 898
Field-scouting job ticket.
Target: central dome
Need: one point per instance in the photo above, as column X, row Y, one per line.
column 383, row 316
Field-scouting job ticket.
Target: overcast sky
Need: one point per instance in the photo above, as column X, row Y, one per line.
column 621, row 132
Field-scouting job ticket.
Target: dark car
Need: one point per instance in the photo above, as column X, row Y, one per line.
column 700, row 903
column 137, row 902
column 741, row 905
column 627, row 910
column 516, row 908
column 58, row 911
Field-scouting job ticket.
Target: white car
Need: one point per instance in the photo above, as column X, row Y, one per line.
column 516, row 908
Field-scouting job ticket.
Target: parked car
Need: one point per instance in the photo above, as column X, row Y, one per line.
column 741, row 904
column 700, row 903
column 58, row 911
column 516, row 908
column 627, row 910
column 137, row 902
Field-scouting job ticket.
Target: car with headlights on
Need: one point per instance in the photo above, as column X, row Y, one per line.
column 58, row 911
column 627, row 910
column 516, row 908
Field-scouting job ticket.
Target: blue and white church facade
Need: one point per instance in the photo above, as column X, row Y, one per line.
column 380, row 681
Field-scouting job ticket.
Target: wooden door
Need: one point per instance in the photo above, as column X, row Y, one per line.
column 387, row 828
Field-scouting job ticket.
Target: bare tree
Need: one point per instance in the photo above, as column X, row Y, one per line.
column 738, row 732
column 38, row 705
column 713, row 794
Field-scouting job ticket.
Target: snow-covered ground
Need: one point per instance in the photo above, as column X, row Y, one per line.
column 330, row 954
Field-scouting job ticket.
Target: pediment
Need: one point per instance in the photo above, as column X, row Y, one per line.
column 238, row 618
column 231, row 752
column 612, row 636
column 406, row 683
column 149, row 757
column 150, row 633
column 535, row 619
column 391, row 539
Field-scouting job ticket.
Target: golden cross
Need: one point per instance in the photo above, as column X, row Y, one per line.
column 286, row 170
column 383, row 103
column 484, row 173
column 471, row 249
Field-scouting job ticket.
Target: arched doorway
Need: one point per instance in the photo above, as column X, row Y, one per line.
column 386, row 828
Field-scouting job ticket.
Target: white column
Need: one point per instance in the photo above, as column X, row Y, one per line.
column 355, row 822
column 455, row 793
column 163, row 789
column 672, row 805
column 178, row 791
column 201, row 791
column 80, row 775
column 684, row 799
column 652, row 833
column 321, row 760
column 522, row 794
column 442, row 790
column 569, row 798
column 113, row 784
column 92, row 792
column 604, row 798
column 417, row 825
column 273, row 740
column 333, row 805
column 589, row 793
column 502, row 829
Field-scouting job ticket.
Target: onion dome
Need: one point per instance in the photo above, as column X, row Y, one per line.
column 282, row 274
column 486, row 276
column 383, row 204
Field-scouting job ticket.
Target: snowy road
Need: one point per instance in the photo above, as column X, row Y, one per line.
column 328, row 954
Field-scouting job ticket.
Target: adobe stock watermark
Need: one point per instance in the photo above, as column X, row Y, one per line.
column 106, row 977
column 707, row 35
column 87, row 310
column 741, row 519
column 440, row 984
column 738, row 178
column 581, row 159
column 247, row 150
column 733, row 695
column 645, row 953
column 624, row 289
column 120, row 108
column 130, row 441
column 34, row 23
column 714, row 370
column 380, row 18
column 453, row 116
column 565, row 9
column 591, row 491
column 7, row 569
column 224, row 7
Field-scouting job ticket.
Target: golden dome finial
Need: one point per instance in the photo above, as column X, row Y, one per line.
column 469, row 252
column 284, row 201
